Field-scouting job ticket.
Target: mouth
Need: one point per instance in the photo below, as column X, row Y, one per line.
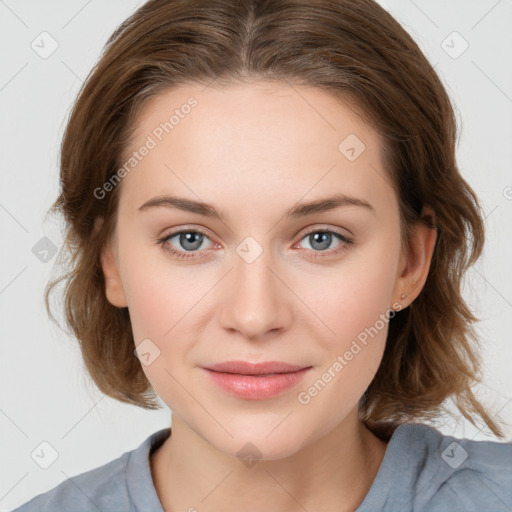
column 256, row 381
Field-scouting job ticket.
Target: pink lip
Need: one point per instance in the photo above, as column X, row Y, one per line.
column 256, row 381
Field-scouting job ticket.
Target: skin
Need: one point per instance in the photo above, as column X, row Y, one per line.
column 253, row 151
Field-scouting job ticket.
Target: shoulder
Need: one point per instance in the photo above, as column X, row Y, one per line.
column 424, row 470
column 91, row 490
column 473, row 475
column 108, row 487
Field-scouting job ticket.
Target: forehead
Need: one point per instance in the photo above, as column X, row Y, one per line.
column 261, row 140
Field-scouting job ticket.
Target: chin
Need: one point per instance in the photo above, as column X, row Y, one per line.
column 255, row 444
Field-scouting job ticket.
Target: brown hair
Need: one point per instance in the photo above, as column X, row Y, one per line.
column 355, row 50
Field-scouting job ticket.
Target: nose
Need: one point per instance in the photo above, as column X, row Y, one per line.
column 256, row 301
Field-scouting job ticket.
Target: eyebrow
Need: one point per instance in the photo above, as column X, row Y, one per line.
column 296, row 211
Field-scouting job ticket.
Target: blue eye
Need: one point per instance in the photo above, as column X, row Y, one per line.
column 321, row 239
column 191, row 241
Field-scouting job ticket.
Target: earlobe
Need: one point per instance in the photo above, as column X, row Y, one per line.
column 114, row 290
column 415, row 273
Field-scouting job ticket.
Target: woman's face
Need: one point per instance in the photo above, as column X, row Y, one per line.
column 285, row 270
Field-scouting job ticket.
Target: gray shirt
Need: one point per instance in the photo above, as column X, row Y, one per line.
column 422, row 471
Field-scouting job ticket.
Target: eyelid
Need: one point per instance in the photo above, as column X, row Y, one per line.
column 325, row 228
column 187, row 229
column 164, row 242
column 345, row 242
column 344, row 239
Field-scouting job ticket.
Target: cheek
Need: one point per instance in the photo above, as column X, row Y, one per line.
column 358, row 315
column 158, row 296
column 153, row 305
column 356, row 306
column 166, row 308
column 159, row 311
column 355, row 295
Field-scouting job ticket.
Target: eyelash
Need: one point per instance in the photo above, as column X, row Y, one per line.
column 346, row 241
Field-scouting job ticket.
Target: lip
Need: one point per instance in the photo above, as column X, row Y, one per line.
column 256, row 381
column 247, row 368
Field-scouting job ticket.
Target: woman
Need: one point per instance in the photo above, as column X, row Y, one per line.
column 268, row 230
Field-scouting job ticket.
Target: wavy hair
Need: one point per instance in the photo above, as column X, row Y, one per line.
column 353, row 49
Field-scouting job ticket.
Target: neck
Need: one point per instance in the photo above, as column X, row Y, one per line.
column 333, row 473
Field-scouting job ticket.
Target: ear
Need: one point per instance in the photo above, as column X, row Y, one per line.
column 415, row 265
column 113, row 284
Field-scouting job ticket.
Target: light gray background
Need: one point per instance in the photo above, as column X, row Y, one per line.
column 44, row 393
